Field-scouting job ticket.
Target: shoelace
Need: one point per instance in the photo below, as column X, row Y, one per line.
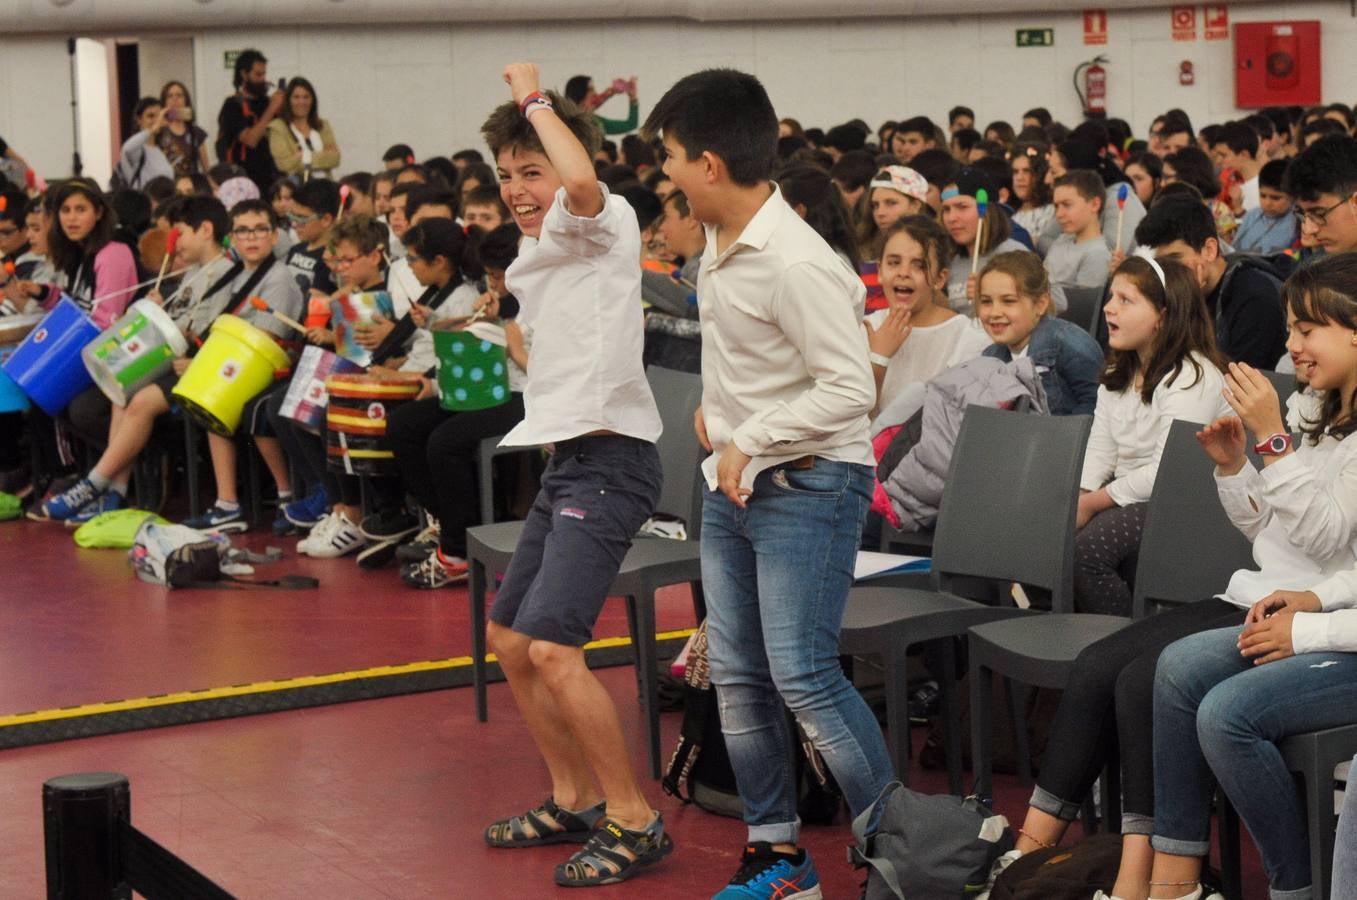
column 431, row 569
column 753, row 865
column 79, row 494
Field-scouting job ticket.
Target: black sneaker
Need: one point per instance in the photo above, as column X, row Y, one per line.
column 389, row 525
column 376, row 554
column 923, row 702
column 422, row 544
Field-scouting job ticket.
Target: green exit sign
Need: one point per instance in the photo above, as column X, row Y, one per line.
column 229, row 57
column 1036, row 37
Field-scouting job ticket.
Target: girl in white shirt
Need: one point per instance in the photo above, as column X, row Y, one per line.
column 917, row 335
column 1225, row 699
column 1163, row 365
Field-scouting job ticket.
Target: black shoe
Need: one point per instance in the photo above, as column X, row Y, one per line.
column 923, row 702
column 389, row 525
column 376, row 554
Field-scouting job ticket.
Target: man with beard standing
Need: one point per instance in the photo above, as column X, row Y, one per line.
column 245, row 117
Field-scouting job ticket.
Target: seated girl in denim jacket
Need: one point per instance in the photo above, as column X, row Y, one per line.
column 1016, row 310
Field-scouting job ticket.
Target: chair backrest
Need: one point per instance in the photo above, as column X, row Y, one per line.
column 1084, row 306
column 1284, row 382
column 1007, row 512
column 677, row 395
column 1189, row 548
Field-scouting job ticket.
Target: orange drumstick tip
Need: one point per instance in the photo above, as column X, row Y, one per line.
column 9, row 268
column 171, row 241
column 258, row 303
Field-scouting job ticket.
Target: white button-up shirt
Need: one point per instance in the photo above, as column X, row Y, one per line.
column 784, row 355
column 579, row 290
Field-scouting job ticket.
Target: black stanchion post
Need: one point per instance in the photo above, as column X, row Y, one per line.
column 83, row 816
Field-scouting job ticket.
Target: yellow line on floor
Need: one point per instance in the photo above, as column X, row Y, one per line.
column 264, row 687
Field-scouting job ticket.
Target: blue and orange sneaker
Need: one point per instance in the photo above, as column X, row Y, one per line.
column 766, row 874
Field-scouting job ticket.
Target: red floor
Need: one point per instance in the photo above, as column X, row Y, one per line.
column 385, row 798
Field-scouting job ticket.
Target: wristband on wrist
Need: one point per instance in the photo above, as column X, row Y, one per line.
column 1273, row 445
column 534, row 101
column 879, row 359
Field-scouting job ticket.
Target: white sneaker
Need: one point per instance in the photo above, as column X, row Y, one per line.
column 1003, row 862
column 316, row 535
column 340, row 538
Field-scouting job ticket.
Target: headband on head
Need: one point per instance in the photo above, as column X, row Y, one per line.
column 1147, row 254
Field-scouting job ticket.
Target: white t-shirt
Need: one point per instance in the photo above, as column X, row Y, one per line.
column 928, row 351
column 1248, row 191
column 579, row 289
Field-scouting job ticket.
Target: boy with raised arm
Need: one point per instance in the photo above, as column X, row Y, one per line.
column 786, row 389
column 579, row 286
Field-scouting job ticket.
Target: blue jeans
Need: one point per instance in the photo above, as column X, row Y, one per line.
column 1218, row 717
column 777, row 576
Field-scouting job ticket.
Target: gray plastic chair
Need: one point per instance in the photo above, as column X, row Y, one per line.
column 650, row 564
column 1313, row 756
column 1008, row 468
column 1284, row 382
column 486, row 452
column 1084, row 307
column 1184, row 511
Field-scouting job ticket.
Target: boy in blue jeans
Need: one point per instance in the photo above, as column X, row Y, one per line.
column 786, row 388
column 579, row 288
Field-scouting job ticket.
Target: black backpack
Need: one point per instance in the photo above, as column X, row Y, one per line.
column 700, row 772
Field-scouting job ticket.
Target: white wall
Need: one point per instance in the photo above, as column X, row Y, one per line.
column 431, row 86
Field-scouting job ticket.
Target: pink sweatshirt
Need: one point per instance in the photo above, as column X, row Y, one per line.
column 115, row 277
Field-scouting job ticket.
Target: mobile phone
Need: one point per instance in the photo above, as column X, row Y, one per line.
column 282, row 84
column 186, row 114
column 620, row 85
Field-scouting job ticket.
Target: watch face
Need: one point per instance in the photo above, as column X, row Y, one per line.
column 1278, row 444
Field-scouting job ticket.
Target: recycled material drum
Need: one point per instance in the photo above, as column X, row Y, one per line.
column 473, row 368
column 235, row 363
column 306, row 396
column 13, row 329
column 134, row 351
column 347, row 312
column 47, row 365
column 355, row 421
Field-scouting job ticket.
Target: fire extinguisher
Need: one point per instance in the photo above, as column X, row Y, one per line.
column 1090, row 83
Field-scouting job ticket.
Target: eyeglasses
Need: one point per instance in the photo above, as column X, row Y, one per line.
column 259, row 231
column 343, row 262
column 301, row 220
column 1315, row 216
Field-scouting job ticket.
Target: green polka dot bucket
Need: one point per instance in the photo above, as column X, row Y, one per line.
column 473, row 368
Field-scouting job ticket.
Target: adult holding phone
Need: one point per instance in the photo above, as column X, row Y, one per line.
column 580, row 89
column 183, row 143
column 244, row 120
column 302, row 143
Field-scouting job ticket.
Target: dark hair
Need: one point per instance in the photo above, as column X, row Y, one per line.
column 416, row 168
column 223, row 172
column 354, row 181
column 813, row 189
column 637, row 151
column 1176, row 125
column 680, row 201
column 938, row 167
column 653, row 178
column 1273, row 175
column 499, row 248
column 921, row 125
column 1056, row 132
column 1153, row 165
column 1041, row 114
column 468, row 155
column 1176, row 189
column 244, row 63
column 487, row 195
column 383, row 175
column 1281, row 121
column 65, row 253
column 15, row 204
column 320, row 195
column 364, row 232
column 607, row 148
column 643, row 202
column 1261, row 124
column 1119, row 133
column 253, row 205
column 1324, row 292
column 144, row 104
column 618, row 177
column 194, row 211
column 1321, row 128
column 440, row 168
column 844, row 138
column 1193, row 166
column 1177, row 219
column 854, row 169
column 1035, row 154
column 1209, row 135
column 577, row 88
column 1344, row 110
column 724, row 112
column 1005, row 132
column 507, row 128
column 999, row 174
column 428, row 195
column 133, row 209
column 1186, row 328
column 788, row 146
column 188, row 98
column 313, row 118
column 1239, row 136
column 1085, row 183
column 957, row 112
column 399, row 151
column 1328, row 166
column 161, row 188
column 966, row 138
column 438, row 237
column 997, row 226
column 929, row 234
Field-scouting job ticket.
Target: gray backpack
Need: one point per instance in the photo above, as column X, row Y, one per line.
column 927, row 846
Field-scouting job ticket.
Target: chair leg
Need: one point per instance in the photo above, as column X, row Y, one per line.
column 647, row 662
column 1318, row 788
column 485, row 475
column 476, row 589
column 982, row 730
column 896, row 664
column 1231, row 876
column 191, row 468
column 1017, row 708
column 699, row 601
column 950, row 705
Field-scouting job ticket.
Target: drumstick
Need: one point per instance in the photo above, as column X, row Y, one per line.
column 260, row 304
column 343, row 200
column 170, row 243
column 1122, row 193
column 981, row 206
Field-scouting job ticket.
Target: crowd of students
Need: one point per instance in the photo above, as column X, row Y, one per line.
column 1225, row 252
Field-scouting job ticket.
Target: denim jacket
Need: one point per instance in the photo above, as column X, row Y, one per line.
column 1069, row 362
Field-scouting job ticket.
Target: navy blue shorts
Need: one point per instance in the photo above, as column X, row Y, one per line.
column 595, row 494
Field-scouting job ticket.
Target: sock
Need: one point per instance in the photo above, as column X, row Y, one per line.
column 119, row 488
column 100, row 482
column 284, row 496
column 451, row 562
column 229, row 506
